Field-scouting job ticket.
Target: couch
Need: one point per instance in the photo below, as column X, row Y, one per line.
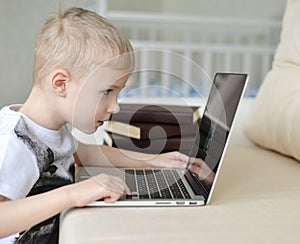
column 257, row 195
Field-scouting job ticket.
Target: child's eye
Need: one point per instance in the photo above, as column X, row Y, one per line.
column 106, row 92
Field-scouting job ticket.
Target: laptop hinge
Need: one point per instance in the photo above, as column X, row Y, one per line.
column 196, row 186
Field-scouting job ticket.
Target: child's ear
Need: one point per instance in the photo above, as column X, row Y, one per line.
column 60, row 81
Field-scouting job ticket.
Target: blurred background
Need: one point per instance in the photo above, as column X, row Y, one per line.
column 217, row 35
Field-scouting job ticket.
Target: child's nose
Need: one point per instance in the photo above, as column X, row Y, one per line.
column 113, row 109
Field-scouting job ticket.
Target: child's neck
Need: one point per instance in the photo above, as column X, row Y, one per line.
column 40, row 110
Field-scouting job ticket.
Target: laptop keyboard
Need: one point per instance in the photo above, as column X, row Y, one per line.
column 155, row 184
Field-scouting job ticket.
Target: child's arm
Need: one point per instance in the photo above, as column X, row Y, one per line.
column 22, row 214
column 95, row 155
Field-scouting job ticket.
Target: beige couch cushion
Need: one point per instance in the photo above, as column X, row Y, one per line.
column 256, row 200
column 275, row 118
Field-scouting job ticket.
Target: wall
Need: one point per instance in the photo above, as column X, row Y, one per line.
column 20, row 22
column 229, row 8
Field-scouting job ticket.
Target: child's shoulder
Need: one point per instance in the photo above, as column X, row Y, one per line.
column 9, row 118
column 13, row 152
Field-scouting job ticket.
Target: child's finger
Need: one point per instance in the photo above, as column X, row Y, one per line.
column 127, row 190
column 112, row 198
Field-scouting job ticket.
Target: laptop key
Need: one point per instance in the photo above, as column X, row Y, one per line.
column 144, row 196
column 173, row 185
column 132, row 196
column 176, row 191
column 153, row 188
column 130, row 180
column 141, row 182
column 166, row 194
column 155, row 195
column 183, row 189
column 160, row 180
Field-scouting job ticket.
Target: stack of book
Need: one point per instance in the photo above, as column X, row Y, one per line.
column 153, row 128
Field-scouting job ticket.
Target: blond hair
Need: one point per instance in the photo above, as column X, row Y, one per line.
column 76, row 40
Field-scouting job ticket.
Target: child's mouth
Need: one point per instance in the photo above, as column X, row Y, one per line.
column 99, row 123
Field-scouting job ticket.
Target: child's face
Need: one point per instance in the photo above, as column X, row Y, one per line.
column 97, row 98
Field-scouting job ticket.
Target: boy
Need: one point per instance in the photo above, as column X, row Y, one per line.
column 81, row 63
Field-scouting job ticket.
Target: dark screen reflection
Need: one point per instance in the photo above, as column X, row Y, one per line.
column 215, row 124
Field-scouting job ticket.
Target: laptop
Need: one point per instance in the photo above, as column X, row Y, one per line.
column 194, row 185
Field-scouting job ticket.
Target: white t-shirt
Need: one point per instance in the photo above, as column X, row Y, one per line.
column 33, row 160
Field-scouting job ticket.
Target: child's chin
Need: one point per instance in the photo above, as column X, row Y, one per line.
column 89, row 131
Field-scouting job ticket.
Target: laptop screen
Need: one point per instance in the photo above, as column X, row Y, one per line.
column 215, row 125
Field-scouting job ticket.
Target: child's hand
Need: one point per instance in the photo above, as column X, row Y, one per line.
column 200, row 168
column 103, row 186
column 178, row 160
column 175, row 160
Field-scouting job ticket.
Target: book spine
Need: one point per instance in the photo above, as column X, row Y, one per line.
column 154, row 117
column 123, row 129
